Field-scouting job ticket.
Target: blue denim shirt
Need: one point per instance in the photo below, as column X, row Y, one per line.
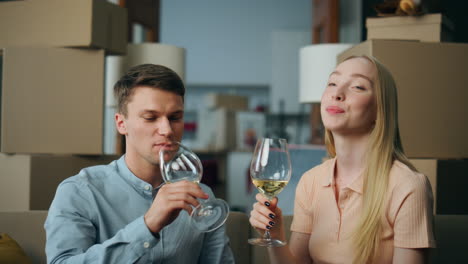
column 97, row 217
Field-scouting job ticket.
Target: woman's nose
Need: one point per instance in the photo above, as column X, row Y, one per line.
column 338, row 94
column 337, row 97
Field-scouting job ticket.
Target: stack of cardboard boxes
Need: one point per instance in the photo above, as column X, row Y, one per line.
column 432, row 81
column 52, row 55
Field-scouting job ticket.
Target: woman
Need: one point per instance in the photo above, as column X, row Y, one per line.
column 367, row 204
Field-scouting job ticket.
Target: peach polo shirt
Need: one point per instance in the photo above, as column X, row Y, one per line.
column 330, row 223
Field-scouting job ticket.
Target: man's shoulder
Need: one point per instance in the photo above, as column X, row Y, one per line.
column 93, row 174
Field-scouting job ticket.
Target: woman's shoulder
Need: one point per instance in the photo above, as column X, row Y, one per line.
column 312, row 179
column 320, row 171
column 408, row 187
column 404, row 177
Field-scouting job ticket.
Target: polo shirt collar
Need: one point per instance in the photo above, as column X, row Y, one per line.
column 329, row 180
column 357, row 184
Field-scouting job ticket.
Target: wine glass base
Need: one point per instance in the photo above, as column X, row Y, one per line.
column 267, row 242
column 210, row 215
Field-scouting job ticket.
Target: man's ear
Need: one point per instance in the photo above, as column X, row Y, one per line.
column 120, row 123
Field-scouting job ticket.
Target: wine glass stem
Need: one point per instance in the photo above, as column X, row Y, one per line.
column 267, row 235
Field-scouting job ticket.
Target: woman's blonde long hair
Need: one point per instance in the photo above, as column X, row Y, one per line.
column 384, row 147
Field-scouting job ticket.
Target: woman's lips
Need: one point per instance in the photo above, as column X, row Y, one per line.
column 335, row 110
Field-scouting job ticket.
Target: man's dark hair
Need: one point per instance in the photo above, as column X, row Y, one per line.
column 148, row 75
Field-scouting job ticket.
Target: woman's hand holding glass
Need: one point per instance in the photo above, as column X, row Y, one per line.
column 270, row 171
column 266, row 215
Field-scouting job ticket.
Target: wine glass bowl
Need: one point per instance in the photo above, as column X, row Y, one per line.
column 270, row 171
column 178, row 163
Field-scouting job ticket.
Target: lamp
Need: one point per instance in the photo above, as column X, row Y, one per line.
column 316, row 62
column 167, row 55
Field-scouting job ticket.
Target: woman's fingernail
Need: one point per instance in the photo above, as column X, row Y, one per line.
column 272, row 216
column 267, row 203
column 268, row 227
column 272, row 223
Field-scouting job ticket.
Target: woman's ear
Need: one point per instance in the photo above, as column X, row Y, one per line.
column 120, row 123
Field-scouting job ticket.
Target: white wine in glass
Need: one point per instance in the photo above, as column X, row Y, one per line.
column 269, row 188
column 179, row 163
column 270, row 171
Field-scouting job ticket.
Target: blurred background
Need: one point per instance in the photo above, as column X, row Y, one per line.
column 251, row 68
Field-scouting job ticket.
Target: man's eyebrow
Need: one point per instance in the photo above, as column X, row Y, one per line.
column 157, row 112
column 177, row 112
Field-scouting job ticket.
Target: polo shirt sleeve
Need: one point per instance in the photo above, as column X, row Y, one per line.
column 302, row 220
column 413, row 225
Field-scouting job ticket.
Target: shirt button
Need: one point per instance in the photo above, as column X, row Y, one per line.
column 147, row 187
column 146, row 245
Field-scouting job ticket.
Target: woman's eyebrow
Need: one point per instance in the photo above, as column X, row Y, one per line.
column 362, row 76
column 335, row 72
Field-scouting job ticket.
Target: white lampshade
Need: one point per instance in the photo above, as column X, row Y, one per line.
column 167, row 55
column 316, row 62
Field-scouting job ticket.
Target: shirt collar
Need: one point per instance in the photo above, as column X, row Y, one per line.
column 357, row 184
column 138, row 184
column 329, row 180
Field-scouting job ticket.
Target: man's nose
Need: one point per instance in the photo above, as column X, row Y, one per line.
column 164, row 127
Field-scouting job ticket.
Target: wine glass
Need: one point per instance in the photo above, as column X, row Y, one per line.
column 178, row 163
column 270, row 171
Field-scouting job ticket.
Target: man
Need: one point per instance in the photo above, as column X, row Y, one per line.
column 122, row 212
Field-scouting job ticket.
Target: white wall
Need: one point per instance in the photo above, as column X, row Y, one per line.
column 285, row 70
column 229, row 42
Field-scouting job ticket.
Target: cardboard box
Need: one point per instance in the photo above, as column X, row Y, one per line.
column 52, row 100
column 430, row 27
column 216, row 130
column 58, row 23
column 431, row 80
column 227, row 101
column 224, row 130
column 449, row 179
column 29, row 182
column 250, row 126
